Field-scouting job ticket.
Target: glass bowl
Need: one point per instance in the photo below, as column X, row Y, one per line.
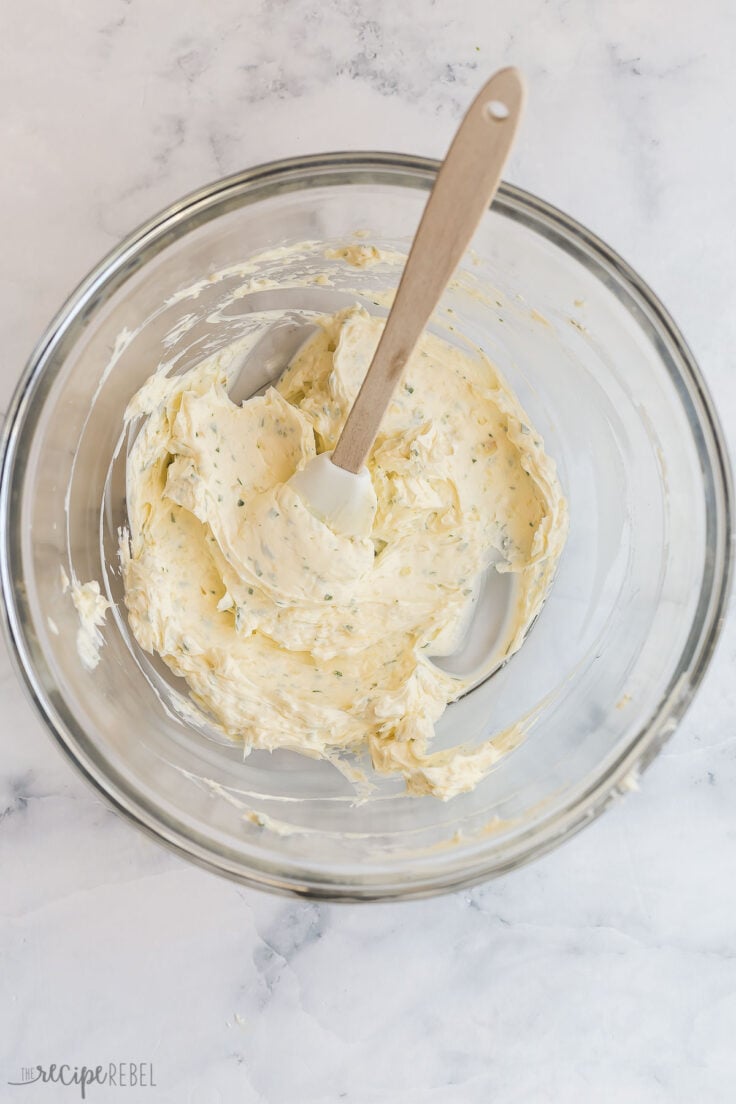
column 618, row 649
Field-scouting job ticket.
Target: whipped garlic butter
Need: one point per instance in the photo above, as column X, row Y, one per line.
column 91, row 609
column 290, row 635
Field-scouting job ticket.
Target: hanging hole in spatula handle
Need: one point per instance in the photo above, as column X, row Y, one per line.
column 497, row 111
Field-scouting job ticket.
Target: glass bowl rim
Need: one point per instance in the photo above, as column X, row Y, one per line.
column 301, row 174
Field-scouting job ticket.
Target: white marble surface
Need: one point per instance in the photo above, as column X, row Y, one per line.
column 605, row 972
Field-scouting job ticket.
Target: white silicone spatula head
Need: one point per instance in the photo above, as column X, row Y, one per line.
column 344, row 499
column 337, row 487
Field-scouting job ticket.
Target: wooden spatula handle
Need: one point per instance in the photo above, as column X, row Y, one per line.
column 464, row 189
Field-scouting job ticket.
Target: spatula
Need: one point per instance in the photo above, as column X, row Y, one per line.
column 336, row 486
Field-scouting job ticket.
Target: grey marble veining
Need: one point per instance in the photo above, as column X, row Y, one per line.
column 605, row 972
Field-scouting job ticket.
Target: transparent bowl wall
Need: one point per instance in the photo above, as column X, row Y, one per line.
column 617, row 650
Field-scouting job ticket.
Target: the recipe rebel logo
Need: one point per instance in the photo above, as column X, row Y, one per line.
column 117, row 1075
